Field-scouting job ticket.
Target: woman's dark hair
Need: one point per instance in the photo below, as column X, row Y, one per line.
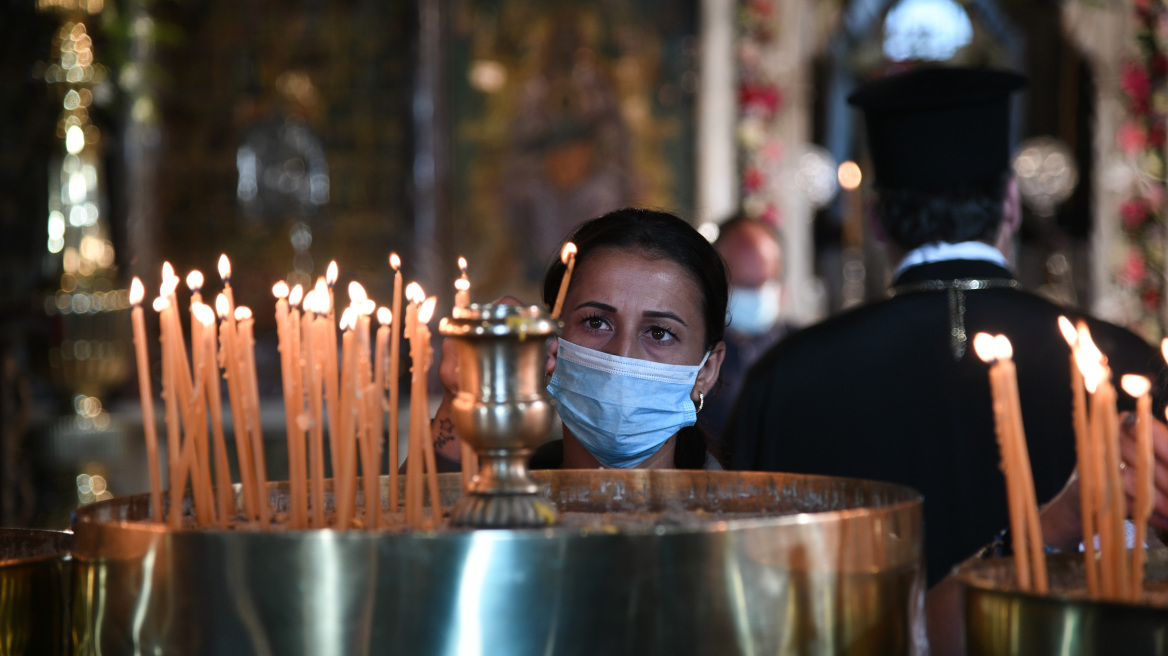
column 660, row 234
column 657, row 234
column 913, row 217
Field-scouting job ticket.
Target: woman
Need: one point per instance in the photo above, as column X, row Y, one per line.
column 640, row 349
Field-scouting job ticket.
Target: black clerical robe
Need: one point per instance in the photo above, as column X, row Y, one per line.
column 876, row 393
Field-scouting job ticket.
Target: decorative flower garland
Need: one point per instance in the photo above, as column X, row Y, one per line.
column 1141, row 138
column 760, row 102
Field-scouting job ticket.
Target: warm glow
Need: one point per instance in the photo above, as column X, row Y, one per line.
column 1005, row 349
column 849, row 175
column 461, row 284
column 357, row 293
column 331, row 273
column 462, row 264
column 296, row 295
column 203, row 313
column 221, row 306
column 167, row 271
column 1164, row 347
column 195, row 280
column 985, row 346
column 414, row 293
column 568, row 252
column 137, row 291
column 394, row 261
column 161, row 304
column 366, row 308
column 1068, row 330
column 427, row 309
column 322, row 291
column 348, row 319
column 168, row 286
column 1089, row 360
column 242, row 313
column 384, row 316
column 1135, row 385
column 224, row 268
column 280, row 289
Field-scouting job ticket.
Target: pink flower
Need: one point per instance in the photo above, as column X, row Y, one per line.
column 1130, row 138
column 772, row 217
column 752, row 179
column 1134, row 213
column 1133, row 269
column 767, row 99
column 1135, row 83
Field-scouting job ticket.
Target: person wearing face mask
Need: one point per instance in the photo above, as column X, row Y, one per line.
column 639, row 353
column 754, row 263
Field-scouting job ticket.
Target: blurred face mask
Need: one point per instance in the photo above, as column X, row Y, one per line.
column 621, row 409
column 754, row 310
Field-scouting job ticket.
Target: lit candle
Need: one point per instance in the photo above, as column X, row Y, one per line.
column 414, row 459
column 314, row 397
column 422, row 336
column 224, row 494
column 326, row 344
column 1139, row 387
column 568, row 257
column 297, row 460
column 284, row 340
column 229, row 362
column 391, row 380
column 462, row 285
column 146, row 392
column 343, row 475
column 244, row 320
column 170, row 398
column 1083, row 451
column 986, row 348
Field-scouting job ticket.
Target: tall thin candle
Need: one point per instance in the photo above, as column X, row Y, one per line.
column 568, row 257
column 146, row 392
column 392, row 379
column 229, row 363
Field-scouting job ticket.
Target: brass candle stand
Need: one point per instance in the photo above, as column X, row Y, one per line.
column 502, row 410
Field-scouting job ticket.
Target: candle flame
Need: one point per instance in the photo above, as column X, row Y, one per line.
column 221, row 306
column 367, row 307
column 427, row 309
column 195, row 280
column 462, row 264
column 348, row 319
column 1164, row 347
column 568, row 252
column 161, row 304
column 296, row 295
column 461, row 284
column 414, row 293
column 1135, row 385
column 203, row 313
column 384, row 316
column 1068, row 330
column 242, row 313
column 137, row 291
column 225, row 268
column 394, row 261
column 331, row 273
column 167, row 271
column 1005, row 349
column 1089, row 359
column 280, row 289
column 168, row 286
column 357, row 293
column 985, row 346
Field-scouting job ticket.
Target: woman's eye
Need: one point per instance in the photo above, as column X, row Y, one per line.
column 659, row 334
column 595, row 323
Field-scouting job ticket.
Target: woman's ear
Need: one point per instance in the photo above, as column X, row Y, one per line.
column 553, row 349
column 708, row 374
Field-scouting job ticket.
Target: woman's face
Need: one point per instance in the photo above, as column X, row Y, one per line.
column 623, row 302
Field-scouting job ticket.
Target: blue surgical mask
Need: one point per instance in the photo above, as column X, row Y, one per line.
column 754, row 310
column 621, row 409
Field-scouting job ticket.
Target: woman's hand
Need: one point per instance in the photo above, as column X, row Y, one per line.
column 1127, row 452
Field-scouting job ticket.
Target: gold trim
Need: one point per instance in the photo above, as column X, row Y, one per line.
column 955, row 291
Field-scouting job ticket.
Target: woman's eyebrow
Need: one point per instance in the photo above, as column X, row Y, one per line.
column 663, row 314
column 598, row 305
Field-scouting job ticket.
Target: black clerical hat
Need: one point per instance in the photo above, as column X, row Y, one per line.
column 934, row 127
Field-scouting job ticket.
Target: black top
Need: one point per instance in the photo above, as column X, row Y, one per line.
column 876, row 394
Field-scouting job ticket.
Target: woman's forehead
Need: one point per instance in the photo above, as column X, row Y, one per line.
column 637, row 278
